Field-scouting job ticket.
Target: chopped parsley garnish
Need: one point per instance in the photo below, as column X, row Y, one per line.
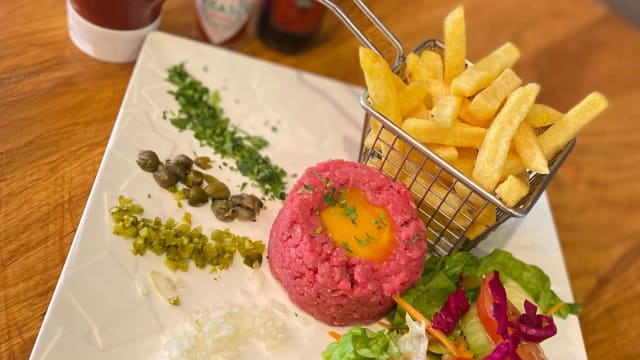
column 319, row 230
column 309, row 188
column 330, row 199
column 346, row 246
column 201, row 113
column 366, row 241
column 350, row 212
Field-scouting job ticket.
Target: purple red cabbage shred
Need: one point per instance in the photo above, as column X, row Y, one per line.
column 449, row 315
column 529, row 326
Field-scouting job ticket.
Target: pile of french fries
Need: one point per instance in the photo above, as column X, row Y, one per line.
column 481, row 119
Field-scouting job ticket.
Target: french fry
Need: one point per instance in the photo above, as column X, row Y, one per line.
column 421, row 111
column 381, row 85
column 455, row 44
column 432, row 62
column 512, row 166
column 560, row 133
column 446, row 110
column 527, row 146
column 512, row 190
column 485, row 104
column 435, row 90
column 426, row 66
column 412, row 97
column 542, row 115
column 446, row 152
column 466, row 116
column 459, row 134
column 479, row 76
column 495, row 147
column 399, row 83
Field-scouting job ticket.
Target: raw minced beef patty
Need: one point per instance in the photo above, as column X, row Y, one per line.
column 329, row 280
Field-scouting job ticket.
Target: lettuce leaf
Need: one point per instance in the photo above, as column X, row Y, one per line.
column 361, row 344
column 530, row 277
column 440, row 277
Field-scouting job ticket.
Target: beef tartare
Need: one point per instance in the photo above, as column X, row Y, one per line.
column 345, row 241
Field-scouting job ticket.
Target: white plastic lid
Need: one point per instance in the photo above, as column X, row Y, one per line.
column 116, row 46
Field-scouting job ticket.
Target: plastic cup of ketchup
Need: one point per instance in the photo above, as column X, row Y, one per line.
column 112, row 30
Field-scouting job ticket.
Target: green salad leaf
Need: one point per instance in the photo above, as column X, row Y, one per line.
column 361, row 344
column 530, row 277
column 440, row 278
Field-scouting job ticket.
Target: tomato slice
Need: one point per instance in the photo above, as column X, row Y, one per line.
column 485, row 310
column 526, row 350
column 530, row 351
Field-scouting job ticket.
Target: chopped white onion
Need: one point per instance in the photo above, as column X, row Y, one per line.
column 220, row 332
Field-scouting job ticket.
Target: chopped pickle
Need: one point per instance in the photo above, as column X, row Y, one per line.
column 180, row 242
column 362, row 229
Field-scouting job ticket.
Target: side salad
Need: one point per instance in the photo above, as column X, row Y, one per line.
column 464, row 307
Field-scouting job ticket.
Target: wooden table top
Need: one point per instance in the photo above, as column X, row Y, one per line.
column 59, row 106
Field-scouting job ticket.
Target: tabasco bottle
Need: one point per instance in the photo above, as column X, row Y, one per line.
column 289, row 26
column 222, row 22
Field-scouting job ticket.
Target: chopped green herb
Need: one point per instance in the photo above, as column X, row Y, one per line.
column 308, row 187
column 362, row 242
column 346, row 246
column 350, row 212
column 243, row 186
column 414, row 238
column 319, row 230
column 201, row 113
column 330, row 200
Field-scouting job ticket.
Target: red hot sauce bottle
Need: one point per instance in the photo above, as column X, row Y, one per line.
column 222, row 22
column 289, row 26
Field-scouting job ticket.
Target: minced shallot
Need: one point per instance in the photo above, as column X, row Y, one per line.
column 221, row 332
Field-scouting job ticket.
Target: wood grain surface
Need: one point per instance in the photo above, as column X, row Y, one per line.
column 58, row 107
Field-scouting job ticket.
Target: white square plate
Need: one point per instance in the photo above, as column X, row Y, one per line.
column 97, row 311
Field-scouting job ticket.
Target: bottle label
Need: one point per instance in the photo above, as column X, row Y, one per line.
column 221, row 19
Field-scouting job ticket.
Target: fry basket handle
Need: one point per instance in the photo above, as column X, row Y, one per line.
column 364, row 39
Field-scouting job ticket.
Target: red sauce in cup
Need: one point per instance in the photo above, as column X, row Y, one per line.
column 119, row 14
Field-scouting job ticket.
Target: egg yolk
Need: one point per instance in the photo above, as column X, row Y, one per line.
column 364, row 230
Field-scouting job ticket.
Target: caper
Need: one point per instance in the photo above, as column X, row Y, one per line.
column 203, row 162
column 164, row 177
column 183, row 161
column 247, row 201
column 223, row 210
column 194, row 178
column 217, row 190
column 197, row 196
column 148, row 160
column 243, row 213
column 177, row 169
column 210, row 178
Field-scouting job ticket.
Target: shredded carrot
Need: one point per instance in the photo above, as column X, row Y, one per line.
column 335, row 335
column 461, row 346
column 384, row 324
column 555, row 308
column 416, row 315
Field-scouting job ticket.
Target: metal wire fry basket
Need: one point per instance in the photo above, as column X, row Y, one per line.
column 458, row 212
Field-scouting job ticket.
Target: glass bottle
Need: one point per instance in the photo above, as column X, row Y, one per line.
column 222, row 22
column 289, row 26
